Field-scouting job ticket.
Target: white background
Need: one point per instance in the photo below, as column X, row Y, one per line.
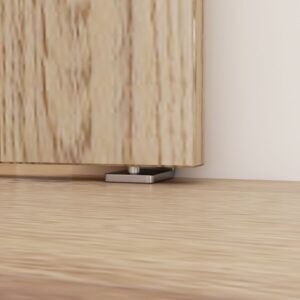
column 252, row 90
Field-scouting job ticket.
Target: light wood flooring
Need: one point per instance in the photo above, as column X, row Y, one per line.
column 206, row 239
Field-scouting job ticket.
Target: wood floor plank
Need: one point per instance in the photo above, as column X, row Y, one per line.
column 178, row 240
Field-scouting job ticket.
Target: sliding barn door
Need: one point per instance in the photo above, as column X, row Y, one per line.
column 113, row 82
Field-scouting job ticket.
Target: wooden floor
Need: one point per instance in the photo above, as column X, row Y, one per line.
column 214, row 240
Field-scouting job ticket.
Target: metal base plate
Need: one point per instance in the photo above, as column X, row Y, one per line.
column 147, row 175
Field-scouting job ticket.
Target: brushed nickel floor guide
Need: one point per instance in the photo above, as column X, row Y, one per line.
column 141, row 175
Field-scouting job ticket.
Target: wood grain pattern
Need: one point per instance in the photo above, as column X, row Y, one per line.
column 101, row 81
column 211, row 240
column 55, row 171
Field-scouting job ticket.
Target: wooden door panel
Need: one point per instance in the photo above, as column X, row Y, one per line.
column 100, row 81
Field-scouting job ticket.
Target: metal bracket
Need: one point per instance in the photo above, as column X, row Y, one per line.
column 141, row 175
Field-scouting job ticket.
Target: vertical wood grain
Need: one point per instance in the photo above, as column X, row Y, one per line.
column 100, row 81
column 198, row 137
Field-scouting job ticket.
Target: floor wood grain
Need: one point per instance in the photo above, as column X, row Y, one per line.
column 78, row 240
column 101, row 81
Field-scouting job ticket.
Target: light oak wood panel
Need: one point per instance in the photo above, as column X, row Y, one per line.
column 55, row 171
column 101, row 81
column 206, row 239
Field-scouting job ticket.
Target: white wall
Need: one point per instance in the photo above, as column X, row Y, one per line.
column 252, row 92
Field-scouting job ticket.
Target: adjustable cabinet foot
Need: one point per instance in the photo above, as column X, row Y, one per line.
column 141, row 175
